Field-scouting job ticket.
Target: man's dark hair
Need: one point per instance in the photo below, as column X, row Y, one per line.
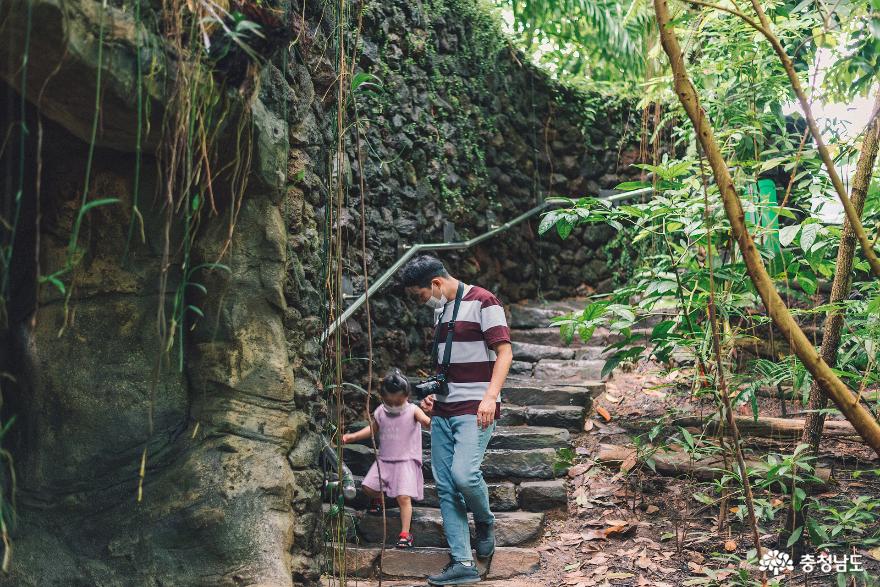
column 420, row 271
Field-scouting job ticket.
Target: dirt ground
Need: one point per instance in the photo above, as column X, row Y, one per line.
column 640, row 528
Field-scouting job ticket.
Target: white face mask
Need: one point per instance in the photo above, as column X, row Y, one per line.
column 436, row 303
column 395, row 410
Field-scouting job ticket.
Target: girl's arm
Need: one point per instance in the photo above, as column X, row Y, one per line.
column 361, row 434
column 422, row 417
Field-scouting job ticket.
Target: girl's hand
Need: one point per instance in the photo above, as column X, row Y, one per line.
column 346, row 438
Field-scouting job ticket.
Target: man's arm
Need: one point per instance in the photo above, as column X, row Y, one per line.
column 503, row 359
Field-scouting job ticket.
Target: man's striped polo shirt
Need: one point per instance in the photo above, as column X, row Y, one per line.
column 480, row 325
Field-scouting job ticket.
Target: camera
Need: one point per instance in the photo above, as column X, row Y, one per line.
column 436, row 385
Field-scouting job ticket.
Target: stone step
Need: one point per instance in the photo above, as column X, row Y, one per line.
column 532, row 353
column 520, row 437
column 568, row 417
column 537, row 315
column 530, row 496
column 553, row 416
column 549, row 336
column 511, row 528
column 502, row 496
column 417, row 563
column 535, row 463
column 562, row 371
column 525, row 392
column 542, row 496
column 590, row 353
column 522, row 368
column 510, row 464
column 529, row 438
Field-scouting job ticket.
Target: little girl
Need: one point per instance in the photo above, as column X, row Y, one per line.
column 396, row 425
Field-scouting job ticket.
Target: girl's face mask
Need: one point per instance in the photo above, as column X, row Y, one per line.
column 395, row 410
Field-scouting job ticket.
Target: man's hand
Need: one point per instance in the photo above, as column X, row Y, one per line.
column 486, row 412
column 427, row 405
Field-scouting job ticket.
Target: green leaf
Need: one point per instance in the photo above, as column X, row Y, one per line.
column 196, row 310
column 660, row 331
column 96, row 203
column 808, row 235
column 779, row 210
column 795, row 536
column 703, row 498
column 612, row 362
column 564, row 228
column 547, row 222
column 807, row 280
column 787, row 234
column 629, row 186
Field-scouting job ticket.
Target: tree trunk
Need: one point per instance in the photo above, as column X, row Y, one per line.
column 842, row 283
column 840, row 288
column 679, row 463
column 861, row 419
column 778, row 428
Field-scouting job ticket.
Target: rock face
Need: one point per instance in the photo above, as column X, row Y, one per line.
column 230, row 417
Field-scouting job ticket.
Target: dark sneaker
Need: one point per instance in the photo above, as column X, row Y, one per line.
column 456, row 573
column 485, row 539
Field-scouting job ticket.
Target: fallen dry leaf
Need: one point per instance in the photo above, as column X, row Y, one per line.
column 588, row 425
column 616, row 522
column 619, row 529
column 579, row 469
column 695, row 567
column 652, row 509
column 618, row 575
column 629, row 462
column 730, row 545
column 593, row 535
column 570, row 539
column 776, row 502
column 874, row 553
column 604, row 413
column 613, row 398
column 599, row 559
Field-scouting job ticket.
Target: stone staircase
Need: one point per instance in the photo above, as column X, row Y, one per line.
column 545, row 401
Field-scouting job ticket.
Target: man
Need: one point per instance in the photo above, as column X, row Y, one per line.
column 463, row 420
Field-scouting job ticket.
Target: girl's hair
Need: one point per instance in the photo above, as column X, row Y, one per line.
column 395, row 383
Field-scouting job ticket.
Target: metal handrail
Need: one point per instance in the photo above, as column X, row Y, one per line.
column 411, row 252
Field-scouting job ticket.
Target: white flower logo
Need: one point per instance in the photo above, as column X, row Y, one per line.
column 776, row 561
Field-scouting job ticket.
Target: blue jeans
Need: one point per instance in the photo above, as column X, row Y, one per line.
column 457, row 449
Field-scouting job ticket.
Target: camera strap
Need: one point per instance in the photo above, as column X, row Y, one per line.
column 447, row 349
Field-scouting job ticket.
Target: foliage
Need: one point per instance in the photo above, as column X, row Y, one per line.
column 693, row 262
column 584, row 42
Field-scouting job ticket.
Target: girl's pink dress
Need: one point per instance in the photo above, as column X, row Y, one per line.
column 400, row 454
